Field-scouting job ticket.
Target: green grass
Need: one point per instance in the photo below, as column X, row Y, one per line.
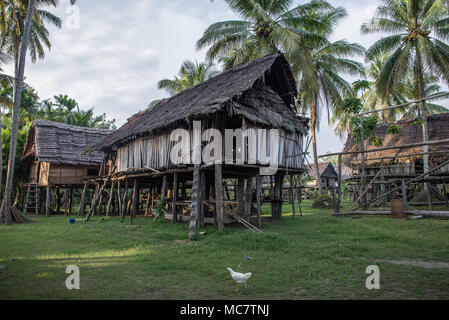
column 314, row 257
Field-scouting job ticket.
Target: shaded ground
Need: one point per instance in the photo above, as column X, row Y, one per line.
column 314, row 257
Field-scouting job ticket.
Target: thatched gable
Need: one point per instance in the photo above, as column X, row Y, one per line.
column 262, row 91
column 411, row 133
column 326, row 170
column 63, row 144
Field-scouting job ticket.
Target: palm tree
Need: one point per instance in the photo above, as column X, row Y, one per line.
column 5, row 209
column 12, row 18
column 190, row 74
column 320, row 81
column 266, row 27
column 416, row 32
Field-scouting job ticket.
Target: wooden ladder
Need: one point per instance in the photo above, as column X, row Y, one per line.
column 32, row 199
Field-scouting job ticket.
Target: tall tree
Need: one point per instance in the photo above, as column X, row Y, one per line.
column 416, row 31
column 190, row 74
column 320, row 80
column 266, row 27
column 12, row 22
column 17, row 98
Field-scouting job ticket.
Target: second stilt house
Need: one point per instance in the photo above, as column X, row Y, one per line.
column 234, row 127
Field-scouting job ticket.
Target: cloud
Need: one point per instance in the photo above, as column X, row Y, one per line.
column 123, row 48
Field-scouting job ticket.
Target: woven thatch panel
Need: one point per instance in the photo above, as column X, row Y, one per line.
column 411, row 133
column 63, row 144
column 270, row 102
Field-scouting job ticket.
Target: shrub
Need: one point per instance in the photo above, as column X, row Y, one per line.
column 322, row 201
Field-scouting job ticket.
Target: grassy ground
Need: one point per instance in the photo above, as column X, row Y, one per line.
column 314, row 257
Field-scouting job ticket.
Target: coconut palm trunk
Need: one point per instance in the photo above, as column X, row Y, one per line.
column 423, row 112
column 313, row 127
column 15, row 114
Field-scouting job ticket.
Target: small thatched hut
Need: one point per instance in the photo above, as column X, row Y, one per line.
column 254, row 97
column 54, row 154
column 327, row 174
column 406, row 162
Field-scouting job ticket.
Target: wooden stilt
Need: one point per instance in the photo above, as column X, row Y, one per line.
column 119, row 198
column 259, row 201
column 404, row 195
column 195, row 195
column 58, row 201
column 83, row 200
column 135, row 202
column 340, row 175
column 219, row 196
column 124, row 202
column 164, row 190
column 111, row 197
column 71, row 201
column 47, row 201
column 292, row 195
column 174, row 198
column 446, row 197
column 201, row 208
column 240, row 196
column 248, row 196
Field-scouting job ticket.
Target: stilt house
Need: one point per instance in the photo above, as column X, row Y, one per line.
column 256, row 97
column 54, row 154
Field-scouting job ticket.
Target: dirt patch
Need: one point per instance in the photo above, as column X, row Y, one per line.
column 419, row 263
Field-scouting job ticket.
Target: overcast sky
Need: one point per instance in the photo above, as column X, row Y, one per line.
column 123, row 48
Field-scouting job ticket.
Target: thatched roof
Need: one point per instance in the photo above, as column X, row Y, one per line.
column 411, row 133
column 63, row 144
column 326, row 169
column 263, row 91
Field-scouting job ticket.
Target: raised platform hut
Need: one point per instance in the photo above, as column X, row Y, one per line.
column 54, row 154
column 400, row 158
column 178, row 154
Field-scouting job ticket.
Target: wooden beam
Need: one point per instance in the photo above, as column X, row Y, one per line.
column 248, row 196
column 201, row 207
column 240, row 195
column 404, row 146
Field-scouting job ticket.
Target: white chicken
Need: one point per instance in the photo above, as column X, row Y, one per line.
column 239, row 277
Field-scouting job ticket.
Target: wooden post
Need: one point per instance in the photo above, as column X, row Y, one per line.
column 71, row 201
column 195, row 194
column 383, row 189
column 201, row 208
column 446, row 197
column 83, row 200
column 340, row 193
column 135, row 202
column 66, row 201
column 248, row 200
column 124, row 202
column 47, row 202
column 292, row 196
column 111, row 197
column 175, row 196
column 119, row 198
column 404, row 195
column 240, row 195
column 219, row 196
column 164, row 189
column 259, row 202
column 58, row 201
